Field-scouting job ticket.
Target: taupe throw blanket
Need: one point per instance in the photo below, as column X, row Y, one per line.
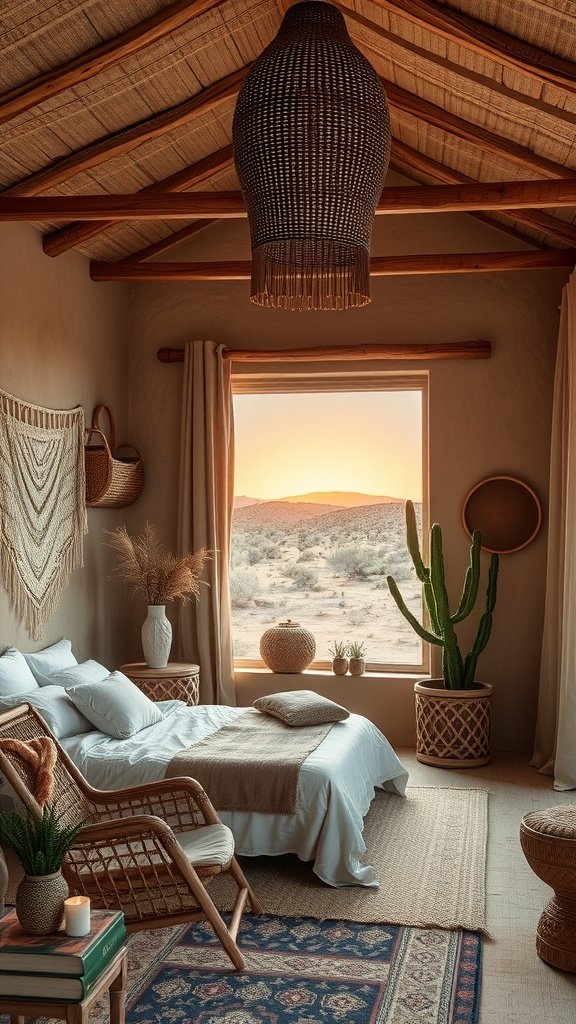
column 253, row 764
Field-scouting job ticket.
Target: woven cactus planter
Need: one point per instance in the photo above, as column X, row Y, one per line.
column 452, row 726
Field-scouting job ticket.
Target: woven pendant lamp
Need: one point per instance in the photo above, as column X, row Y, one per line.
column 311, row 140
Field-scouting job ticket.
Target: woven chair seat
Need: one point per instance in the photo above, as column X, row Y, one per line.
column 212, row 845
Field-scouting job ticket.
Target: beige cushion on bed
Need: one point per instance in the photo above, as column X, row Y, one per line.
column 211, row 844
column 301, row 707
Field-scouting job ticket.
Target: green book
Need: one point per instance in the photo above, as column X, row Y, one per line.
column 60, row 954
column 53, row 986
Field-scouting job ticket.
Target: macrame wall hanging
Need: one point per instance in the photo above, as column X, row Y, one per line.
column 42, row 505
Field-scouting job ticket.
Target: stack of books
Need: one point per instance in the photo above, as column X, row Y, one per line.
column 57, row 966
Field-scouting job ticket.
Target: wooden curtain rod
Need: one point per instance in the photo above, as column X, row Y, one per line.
column 325, row 354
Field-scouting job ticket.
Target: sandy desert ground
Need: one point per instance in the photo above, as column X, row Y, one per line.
column 325, row 566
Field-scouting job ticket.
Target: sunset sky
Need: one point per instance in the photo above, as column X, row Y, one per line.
column 368, row 441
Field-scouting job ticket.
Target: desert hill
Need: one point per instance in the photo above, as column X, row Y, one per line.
column 278, row 513
column 347, row 499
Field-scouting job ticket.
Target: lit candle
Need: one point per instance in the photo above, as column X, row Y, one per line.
column 77, row 915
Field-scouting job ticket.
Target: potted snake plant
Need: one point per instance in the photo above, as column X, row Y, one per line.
column 452, row 713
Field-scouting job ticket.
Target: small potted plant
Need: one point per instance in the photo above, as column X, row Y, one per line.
column 356, row 652
column 339, row 652
column 452, row 713
column 40, row 844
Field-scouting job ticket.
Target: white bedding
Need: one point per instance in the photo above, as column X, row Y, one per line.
column 337, row 782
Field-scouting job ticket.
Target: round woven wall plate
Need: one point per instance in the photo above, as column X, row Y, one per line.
column 505, row 510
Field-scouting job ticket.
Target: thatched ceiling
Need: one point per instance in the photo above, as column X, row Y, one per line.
column 489, row 99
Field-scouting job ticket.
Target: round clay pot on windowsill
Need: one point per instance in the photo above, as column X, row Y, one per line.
column 340, row 666
column 357, row 666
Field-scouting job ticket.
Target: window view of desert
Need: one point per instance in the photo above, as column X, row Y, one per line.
column 321, row 556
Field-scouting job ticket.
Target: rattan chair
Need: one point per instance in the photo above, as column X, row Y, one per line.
column 147, row 850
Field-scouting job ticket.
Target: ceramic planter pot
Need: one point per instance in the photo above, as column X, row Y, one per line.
column 340, row 666
column 452, row 726
column 357, row 666
column 40, row 903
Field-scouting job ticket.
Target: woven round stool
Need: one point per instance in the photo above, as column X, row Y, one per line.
column 548, row 840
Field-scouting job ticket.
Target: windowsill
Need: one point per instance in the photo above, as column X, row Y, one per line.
column 245, row 675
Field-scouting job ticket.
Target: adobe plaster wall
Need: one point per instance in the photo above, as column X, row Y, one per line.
column 486, row 417
column 63, row 343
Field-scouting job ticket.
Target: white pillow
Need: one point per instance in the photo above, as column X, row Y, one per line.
column 51, row 659
column 86, row 672
column 56, row 708
column 15, row 676
column 115, row 705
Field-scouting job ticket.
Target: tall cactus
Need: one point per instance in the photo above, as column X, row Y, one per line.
column 459, row 673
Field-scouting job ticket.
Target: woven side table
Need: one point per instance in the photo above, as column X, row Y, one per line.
column 548, row 840
column 177, row 681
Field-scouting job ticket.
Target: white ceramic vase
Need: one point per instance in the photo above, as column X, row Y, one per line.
column 156, row 636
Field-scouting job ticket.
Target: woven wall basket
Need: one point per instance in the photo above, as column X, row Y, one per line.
column 452, row 726
column 112, row 481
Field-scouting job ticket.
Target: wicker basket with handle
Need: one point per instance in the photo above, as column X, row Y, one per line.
column 112, row 481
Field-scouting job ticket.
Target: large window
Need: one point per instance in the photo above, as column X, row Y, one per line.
column 322, row 470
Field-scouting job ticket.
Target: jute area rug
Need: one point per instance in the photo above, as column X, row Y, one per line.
column 429, row 852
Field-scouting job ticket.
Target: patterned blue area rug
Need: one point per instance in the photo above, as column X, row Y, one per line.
column 304, row 971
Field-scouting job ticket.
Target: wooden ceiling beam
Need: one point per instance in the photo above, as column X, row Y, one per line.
column 493, row 195
column 102, row 57
column 406, row 160
column 484, row 39
column 129, row 138
column 409, row 103
column 380, row 266
column 75, row 234
column 332, row 353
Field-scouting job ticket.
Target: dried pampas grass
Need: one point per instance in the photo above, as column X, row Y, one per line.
column 148, row 569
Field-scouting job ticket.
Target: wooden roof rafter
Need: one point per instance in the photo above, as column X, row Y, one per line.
column 504, row 88
column 58, row 242
column 406, row 160
column 175, row 238
column 129, row 138
column 484, row 39
column 102, row 57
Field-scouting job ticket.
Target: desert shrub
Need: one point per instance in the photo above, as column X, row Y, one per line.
column 301, row 576
column 307, row 555
column 399, row 565
column 254, row 555
column 353, row 561
column 243, row 587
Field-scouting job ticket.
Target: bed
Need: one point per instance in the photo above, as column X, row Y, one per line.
column 337, row 784
column 92, row 711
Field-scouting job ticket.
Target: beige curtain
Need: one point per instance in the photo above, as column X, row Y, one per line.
column 555, row 741
column 206, row 491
